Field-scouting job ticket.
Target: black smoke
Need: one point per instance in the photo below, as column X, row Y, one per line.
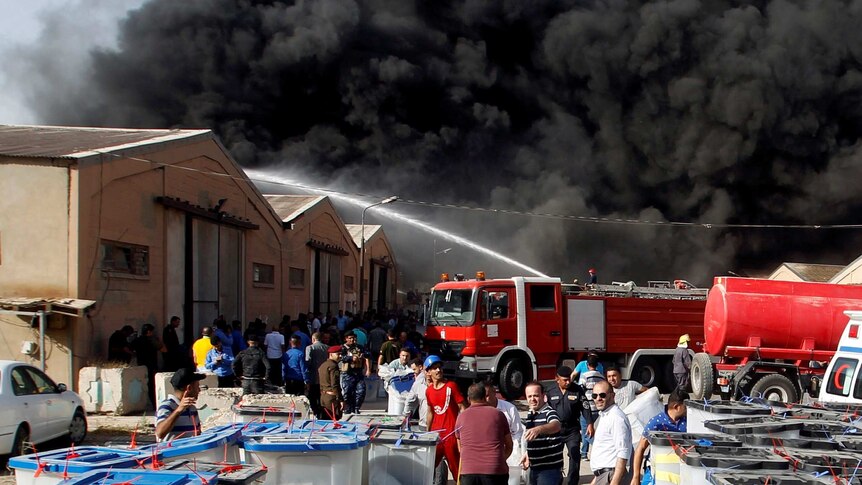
column 702, row 111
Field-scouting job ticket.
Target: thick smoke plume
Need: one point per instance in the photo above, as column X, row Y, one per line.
column 703, row 111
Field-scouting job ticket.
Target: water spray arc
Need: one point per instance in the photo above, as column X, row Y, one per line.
column 259, row 176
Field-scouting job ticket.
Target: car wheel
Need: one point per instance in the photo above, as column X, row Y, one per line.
column 21, row 441
column 78, row 428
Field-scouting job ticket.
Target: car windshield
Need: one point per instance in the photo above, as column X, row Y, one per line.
column 452, row 307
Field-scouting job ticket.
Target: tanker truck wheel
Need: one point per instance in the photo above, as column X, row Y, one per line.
column 702, row 377
column 775, row 387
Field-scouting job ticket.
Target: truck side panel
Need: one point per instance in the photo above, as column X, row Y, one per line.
column 586, row 323
column 543, row 315
column 644, row 323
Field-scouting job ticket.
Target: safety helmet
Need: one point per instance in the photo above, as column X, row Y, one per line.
column 592, row 270
column 431, row 360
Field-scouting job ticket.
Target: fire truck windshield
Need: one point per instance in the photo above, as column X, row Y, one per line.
column 452, row 307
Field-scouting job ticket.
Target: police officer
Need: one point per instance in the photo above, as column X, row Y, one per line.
column 354, row 366
column 567, row 399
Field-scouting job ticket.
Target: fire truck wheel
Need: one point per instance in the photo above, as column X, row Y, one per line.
column 646, row 371
column 775, row 387
column 702, row 377
column 513, row 378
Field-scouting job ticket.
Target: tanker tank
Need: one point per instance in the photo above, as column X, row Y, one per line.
column 782, row 314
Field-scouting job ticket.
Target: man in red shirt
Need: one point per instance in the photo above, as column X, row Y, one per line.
column 444, row 403
column 484, row 441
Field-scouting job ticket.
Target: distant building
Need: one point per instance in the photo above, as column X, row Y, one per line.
column 819, row 273
column 850, row 274
column 101, row 228
column 323, row 262
column 381, row 276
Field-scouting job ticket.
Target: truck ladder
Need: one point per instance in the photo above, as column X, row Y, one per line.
column 658, row 290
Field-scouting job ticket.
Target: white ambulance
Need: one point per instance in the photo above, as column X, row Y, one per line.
column 843, row 380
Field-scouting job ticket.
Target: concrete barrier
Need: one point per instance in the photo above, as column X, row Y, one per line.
column 119, row 390
column 212, row 401
column 164, row 387
column 299, row 404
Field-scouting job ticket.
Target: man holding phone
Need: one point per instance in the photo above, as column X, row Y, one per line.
column 177, row 413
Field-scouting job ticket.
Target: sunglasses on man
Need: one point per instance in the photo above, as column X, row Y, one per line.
column 600, row 395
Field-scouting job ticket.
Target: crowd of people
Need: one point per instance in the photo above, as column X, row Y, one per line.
column 289, row 356
column 480, row 437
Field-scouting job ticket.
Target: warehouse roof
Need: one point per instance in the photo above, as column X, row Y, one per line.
column 817, row 273
column 290, row 207
column 81, row 142
column 355, row 231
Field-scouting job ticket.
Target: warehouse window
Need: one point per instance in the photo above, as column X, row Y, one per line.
column 297, row 278
column 348, row 283
column 263, row 273
column 124, row 258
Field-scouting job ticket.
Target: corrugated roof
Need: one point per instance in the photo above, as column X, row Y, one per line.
column 289, row 207
column 817, row 273
column 79, row 142
column 355, row 231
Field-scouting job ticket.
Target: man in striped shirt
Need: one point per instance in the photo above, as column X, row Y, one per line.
column 177, row 413
column 544, row 455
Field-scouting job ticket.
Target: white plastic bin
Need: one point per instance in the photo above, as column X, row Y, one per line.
column 57, row 465
column 219, row 444
column 698, row 412
column 664, row 461
column 379, row 421
column 402, row 458
column 320, row 458
column 246, row 413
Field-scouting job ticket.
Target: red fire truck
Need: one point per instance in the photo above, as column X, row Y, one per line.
column 522, row 328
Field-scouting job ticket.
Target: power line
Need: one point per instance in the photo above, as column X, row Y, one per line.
column 544, row 215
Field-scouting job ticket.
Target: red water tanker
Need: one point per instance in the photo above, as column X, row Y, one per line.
column 770, row 336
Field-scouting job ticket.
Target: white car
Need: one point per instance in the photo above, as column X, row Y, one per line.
column 33, row 409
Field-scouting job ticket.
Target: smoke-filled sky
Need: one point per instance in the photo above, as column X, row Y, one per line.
column 700, row 111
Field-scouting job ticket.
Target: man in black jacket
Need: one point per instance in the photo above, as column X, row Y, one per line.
column 567, row 399
column 252, row 366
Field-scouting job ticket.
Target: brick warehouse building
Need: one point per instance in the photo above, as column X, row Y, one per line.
column 101, row 228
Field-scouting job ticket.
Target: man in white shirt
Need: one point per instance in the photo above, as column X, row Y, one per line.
column 624, row 391
column 612, row 442
column 416, row 397
column 273, row 343
column 399, row 379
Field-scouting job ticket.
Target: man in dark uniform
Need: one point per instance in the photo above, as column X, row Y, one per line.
column 355, row 366
column 567, row 399
column 329, row 377
column 252, row 366
column 174, row 355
